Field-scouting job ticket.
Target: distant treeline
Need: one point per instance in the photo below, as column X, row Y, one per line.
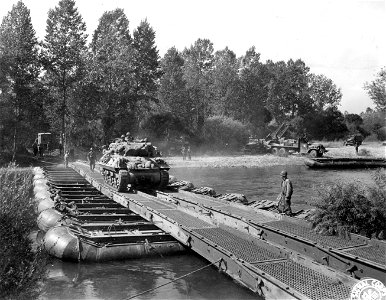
column 90, row 93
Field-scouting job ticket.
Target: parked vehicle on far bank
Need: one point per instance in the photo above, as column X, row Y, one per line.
column 354, row 139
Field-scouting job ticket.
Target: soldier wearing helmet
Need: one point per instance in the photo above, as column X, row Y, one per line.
column 128, row 137
column 284, row 205
column 91, row 157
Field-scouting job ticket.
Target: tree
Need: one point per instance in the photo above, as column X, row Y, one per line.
column 377, row 90
column 172, row 92
column 197, row 75
column 146, row 69
column 20, row 69
column 254, row 78
column 64, row 52
column 111, row 72
column 225, row 82
column 323, row 92
column 287, row 96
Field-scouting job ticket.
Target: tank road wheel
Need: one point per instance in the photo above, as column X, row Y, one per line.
column 164, row 179
column 274, row 151
column 313, row 153
column 121, row 182
column 282, row 152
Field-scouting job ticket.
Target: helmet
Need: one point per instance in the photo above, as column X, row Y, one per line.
column 128, row 133
column 283, row 173
column 123, row 136
column 90, row 149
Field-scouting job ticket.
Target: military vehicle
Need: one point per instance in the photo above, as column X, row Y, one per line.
column 275, row 143
column 135, row 164
column 354, row 139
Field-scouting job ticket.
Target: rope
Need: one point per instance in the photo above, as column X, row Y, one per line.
column 178, row 278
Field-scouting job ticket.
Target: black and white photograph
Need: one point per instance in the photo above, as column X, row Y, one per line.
column 193, row 150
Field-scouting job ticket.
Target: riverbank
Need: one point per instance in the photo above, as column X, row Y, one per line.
column 269, row 160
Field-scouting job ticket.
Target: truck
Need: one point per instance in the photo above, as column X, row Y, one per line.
column 276, row 144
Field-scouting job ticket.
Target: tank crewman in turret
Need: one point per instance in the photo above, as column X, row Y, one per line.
column 91, row 157
column 129, row 138
column 284, row 205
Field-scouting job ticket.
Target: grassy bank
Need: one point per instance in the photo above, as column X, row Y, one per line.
column 21, row 267
column 353, row 207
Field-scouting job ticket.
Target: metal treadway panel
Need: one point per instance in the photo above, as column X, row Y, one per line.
column 307, row 233
column 157, row 205
column 373, row 253
column 241, row 248
column 254, row 215
column 185, row 219
column 307, row 281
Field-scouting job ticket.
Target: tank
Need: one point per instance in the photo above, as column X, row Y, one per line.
column 134, row 164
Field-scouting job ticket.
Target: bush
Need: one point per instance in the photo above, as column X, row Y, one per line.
column 21, row 266
column 353, row 206
column 224, row 133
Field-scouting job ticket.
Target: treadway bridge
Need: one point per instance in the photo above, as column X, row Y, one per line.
column 275, row 256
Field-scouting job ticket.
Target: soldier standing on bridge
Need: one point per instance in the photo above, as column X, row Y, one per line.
column 91, row 157
column 284, row 204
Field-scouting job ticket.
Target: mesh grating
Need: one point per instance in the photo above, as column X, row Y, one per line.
column 307, row 281
column 185, row 219
column 307, row 233
column 241, row 248
column 249, row 215
column 373, row 253
column 157, row 205
column 204, row 200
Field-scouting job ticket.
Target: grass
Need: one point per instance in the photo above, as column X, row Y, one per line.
column 354, row 207
column 21, row 266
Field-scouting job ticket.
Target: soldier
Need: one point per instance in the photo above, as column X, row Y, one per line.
column 183, row 151
column 35, row 148
column 91, row 157
column 66, row 157
column 284, row 205
column 128, row 137
column 188, row 152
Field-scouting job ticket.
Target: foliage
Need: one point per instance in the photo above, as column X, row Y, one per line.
column 323, row 92
column 173, row 94
column 374, row 123
column 63, row 56
column 20, row 103
column 111, row 74
column 354, row 206
column 164, row 126
column 377, row 90
column 198, row 65
column 147, row 71
column 21, row 266
column 224, row 133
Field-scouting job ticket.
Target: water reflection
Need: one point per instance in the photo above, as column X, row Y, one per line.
column 122, row 279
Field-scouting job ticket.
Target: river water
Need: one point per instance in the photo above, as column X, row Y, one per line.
column 124, row 279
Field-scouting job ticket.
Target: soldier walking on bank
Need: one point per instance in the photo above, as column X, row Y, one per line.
column 91, row 157
column 284, row 205
column 66, row 158
column 183, row 151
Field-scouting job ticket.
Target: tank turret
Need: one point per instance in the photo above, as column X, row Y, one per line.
column 134, row 163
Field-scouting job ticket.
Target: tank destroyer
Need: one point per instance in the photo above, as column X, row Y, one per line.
column 134, row 164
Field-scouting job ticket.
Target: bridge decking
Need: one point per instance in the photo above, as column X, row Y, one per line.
column 272, row 255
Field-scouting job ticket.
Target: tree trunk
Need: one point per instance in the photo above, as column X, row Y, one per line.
column 14, row 143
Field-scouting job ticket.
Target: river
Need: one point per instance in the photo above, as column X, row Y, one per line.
column 123, row 279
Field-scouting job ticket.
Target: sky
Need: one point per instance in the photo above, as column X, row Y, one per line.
column 345, row 40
